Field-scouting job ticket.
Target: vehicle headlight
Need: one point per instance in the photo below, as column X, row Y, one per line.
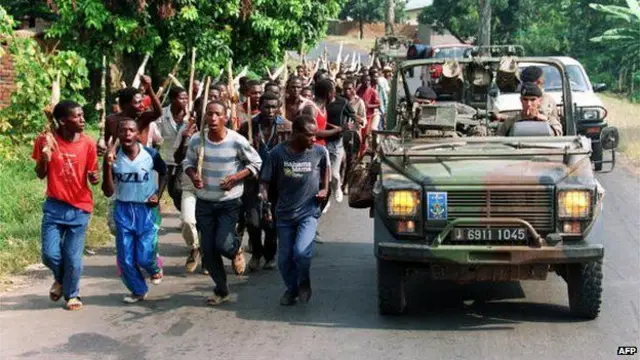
column 574, row 204
column 590, row 115
column 403, row 202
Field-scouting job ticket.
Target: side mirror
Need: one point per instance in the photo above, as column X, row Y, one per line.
column 599, row 87
column 609, row 138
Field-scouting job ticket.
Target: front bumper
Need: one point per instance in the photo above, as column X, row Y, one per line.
column 497, row 255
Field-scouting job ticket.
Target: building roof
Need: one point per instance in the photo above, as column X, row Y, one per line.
column 417, row 4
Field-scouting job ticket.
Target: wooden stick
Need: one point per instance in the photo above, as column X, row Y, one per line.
column 269, row 72
column 103, row 102
column 201, row 88
column 167, row 82
column 175, row 81
column 190, row 89
column 283, row 83
column 136, row 79
column 202, row 126
column 50, row 141
column 250, row 125
column 233, row 99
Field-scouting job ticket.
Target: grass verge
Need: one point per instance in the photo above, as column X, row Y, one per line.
column 22, row 195
column 624, row 115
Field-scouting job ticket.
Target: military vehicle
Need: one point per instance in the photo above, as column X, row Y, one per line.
column 391, row 48
column 462, row 206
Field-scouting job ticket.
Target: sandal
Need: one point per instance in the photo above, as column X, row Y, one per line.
column 74, row 304
column 55, row 293
column 217, row 300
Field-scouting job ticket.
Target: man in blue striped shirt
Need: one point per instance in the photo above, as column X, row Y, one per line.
column 228, row 160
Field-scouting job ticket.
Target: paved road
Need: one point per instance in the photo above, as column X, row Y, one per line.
column 527, row 320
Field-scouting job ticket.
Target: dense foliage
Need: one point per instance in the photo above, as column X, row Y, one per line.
column 34, row 73
column 254, row 32
column 542, row 27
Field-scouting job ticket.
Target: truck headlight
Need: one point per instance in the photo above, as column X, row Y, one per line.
column 574, row 204
column 590, row 115
column 403, row 203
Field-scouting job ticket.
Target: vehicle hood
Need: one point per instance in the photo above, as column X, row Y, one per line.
column 537, row 170
column 511, row 101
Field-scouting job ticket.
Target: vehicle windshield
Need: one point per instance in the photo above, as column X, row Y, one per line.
column 449, row 52
column 553, row 82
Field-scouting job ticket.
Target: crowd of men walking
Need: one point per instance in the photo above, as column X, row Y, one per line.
column 265, row 164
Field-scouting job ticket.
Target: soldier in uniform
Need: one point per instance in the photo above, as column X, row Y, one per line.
column 531, row 98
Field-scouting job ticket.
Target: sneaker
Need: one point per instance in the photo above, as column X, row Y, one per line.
column 287, row 299
column 304, row 292
column 339, row 195
column 238, row 262
column 217, row 300
column 269, row 265
column 156, row 278
column 254, row 263
column 326, row 208
column 192, row 261
column 132, row 299
column 203, row 269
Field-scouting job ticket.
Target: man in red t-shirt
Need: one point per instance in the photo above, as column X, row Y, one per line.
column 68, row 160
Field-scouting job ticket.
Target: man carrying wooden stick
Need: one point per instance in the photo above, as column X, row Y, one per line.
column 131, row 106
column 269, row 130
column 68, row 168
column 228, row 160
column 253, row 93
column 170, row 123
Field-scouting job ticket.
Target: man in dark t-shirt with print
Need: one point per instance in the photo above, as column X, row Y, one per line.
column 299, row 169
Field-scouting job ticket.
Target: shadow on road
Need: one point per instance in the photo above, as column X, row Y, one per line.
column 344, row 285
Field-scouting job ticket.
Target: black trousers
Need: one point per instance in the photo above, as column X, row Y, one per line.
column 216, row 223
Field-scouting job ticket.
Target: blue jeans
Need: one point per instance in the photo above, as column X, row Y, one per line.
column 136, row 244
column 295, row 248
column 216, row 223
column 63, row 230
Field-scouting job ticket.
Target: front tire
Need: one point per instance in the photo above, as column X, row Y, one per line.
column 391, row 292
column 584, row 284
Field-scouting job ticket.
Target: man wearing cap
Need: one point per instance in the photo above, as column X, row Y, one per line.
column 548, row 106
column 531, row 99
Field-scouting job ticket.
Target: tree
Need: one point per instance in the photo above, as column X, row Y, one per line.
column 364, row 12
column 390, row 17
column 625, row 39
column 255, row 33
column 34, row 73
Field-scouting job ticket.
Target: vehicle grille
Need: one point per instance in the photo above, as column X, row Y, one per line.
column 534, row 205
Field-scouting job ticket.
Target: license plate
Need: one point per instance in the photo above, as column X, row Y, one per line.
column 502, row 234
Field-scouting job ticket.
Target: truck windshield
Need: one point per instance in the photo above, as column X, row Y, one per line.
column 553, row 82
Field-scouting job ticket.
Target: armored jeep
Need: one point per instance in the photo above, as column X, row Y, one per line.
column 464, row 205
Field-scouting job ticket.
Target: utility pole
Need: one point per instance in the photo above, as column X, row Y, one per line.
column 391, row 16
column 484, row 31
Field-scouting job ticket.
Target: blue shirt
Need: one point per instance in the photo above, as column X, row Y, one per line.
column 134, row 179
column 297, row 178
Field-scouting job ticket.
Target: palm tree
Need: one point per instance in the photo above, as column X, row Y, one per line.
column 624, row 39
